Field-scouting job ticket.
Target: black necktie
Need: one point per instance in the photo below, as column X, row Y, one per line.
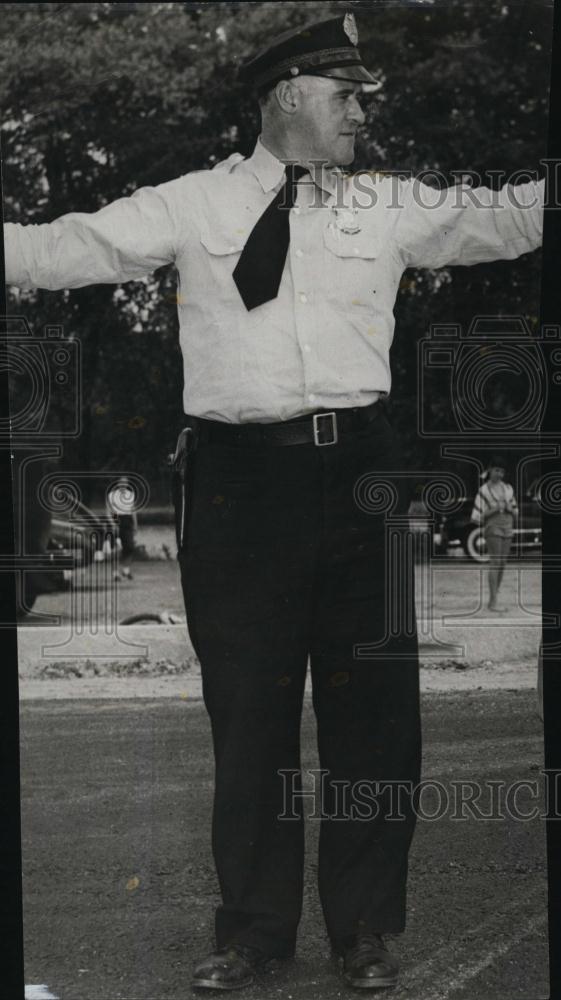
column 259, row 270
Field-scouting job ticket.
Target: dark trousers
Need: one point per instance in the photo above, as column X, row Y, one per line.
column 287, row 553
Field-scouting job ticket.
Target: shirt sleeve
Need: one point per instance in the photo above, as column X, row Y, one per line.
column 466, row 225
column 126, row 239
column 479, row 507
column 511, row 497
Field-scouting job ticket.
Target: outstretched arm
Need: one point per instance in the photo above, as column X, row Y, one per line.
column 126, row 239
column 465, row 225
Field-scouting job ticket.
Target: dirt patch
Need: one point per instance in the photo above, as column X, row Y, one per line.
column 475, row 665
column 68, row 670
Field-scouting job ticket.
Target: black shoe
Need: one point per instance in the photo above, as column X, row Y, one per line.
column 229, row 968
column 368, row 965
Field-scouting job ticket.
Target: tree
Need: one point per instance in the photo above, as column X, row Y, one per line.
column 99, row 99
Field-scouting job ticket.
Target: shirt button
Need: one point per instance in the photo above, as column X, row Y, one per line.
column 303, row 297
column 299, row 253
column 307, row 348
column 312, row 397
column 356, row 249
column 296, row 210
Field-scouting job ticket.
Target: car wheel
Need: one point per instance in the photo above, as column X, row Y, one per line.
column 474, row 545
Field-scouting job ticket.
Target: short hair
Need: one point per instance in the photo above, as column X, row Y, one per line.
column 497, row 462
column 264, row 94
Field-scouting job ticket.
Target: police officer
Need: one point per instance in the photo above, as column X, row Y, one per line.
column 289, row 485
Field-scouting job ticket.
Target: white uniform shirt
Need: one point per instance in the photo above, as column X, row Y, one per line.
column 324, row 342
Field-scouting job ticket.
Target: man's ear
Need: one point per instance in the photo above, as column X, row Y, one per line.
column 287, row 96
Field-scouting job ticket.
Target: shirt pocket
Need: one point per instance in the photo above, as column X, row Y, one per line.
column 224, row 243
column 221, row 250
column 350, row 261
column 363, row 245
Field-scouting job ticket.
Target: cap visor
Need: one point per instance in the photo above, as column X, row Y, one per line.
column 358, row 74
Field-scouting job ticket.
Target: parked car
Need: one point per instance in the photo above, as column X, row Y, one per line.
column 457, row 530
column 49, row 544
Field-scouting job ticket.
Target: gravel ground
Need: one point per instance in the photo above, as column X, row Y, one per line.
column 119, row 882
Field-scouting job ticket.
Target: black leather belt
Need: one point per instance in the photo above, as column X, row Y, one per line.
column 323, row 428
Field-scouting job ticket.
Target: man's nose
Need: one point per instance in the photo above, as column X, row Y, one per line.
column 356, row 114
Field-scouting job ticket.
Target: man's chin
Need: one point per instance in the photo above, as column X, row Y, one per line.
column 340, row 158
column 347, row 156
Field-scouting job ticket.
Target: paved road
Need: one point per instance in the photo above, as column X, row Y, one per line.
column 119, row 884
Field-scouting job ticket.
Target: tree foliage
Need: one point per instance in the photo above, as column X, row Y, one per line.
column 99, row 99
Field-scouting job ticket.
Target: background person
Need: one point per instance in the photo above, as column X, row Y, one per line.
column 120, row 500
column 495, row 509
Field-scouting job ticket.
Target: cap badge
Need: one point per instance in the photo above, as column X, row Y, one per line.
column 350, row 28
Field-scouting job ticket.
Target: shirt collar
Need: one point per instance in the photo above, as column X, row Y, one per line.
column 270, row 171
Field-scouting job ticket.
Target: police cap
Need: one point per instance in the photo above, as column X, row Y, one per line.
column 327, row 48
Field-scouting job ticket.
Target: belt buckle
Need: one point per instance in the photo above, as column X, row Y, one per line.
column 318, row 429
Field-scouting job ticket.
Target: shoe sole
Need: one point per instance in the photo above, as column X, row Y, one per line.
column 363, row 984
column 210, row 984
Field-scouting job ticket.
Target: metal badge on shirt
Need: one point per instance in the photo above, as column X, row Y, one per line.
column 345, row 221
